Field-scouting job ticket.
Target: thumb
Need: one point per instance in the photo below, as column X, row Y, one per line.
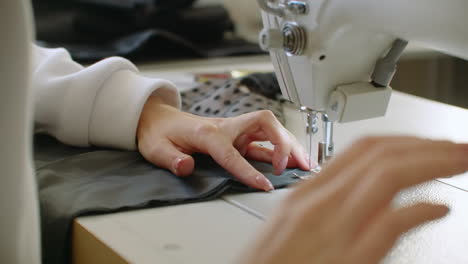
column 167, row 156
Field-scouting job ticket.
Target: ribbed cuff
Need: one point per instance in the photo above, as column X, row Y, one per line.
column 118, row 106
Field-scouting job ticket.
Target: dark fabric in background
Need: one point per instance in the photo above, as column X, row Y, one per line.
column 141, row 30
column 77, row 182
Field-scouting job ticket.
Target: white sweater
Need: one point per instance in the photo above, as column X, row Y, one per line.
column 98, row 105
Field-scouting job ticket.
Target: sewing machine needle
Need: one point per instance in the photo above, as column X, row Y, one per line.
column 310, row 150
column 309, row 130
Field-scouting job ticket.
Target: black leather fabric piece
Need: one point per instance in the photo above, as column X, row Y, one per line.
column 154, row 44
column 76, row 182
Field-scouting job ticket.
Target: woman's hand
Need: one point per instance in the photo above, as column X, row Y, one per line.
column 344, row 215
column 167, row 137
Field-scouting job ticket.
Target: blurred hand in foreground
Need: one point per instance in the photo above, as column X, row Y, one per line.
column 344, row 215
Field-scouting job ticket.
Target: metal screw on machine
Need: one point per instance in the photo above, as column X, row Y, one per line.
column 278, row 10
column 298, row 7
column 295, row 7
column 292, row 39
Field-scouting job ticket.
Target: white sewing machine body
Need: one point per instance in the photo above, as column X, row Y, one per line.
column 344, row 39
column 325, row 51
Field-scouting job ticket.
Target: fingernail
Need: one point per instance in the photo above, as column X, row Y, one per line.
column 446, row 209
column 443, row 210
column 176, row 166
column 264, row 183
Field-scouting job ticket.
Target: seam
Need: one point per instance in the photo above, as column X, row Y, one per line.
column 244, row 208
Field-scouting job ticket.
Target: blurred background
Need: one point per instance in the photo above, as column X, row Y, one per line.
column 141, row 30
column 157, row 31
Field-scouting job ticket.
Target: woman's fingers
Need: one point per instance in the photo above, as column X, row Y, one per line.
column 382, row 233
column 222, row 151
column 347, row 207
column 266, row 122
column 243, row 142
column 263, row 154
column 299, row 154
column 165, row 155
column 164, row 133
column 396, row 172
column 357, row 154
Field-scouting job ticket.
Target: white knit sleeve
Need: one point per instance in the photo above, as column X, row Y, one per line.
column 98, row 105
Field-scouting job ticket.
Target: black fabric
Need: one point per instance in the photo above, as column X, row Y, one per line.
column 139, row 5
column 153, row 44
column 265, row 84
column 141, row 30
column 76, row 182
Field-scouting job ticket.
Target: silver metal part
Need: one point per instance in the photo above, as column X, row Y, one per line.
column 326, row 147
column 321, row 153
column 295, row 7
column 311, row 123
column 292, row 39
column 295, row 39
column 298, row 7
column 311, row 129
column 303, row 178
column 278, row 10
column 328, row 137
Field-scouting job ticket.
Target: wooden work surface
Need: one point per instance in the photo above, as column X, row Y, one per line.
column 218, row 231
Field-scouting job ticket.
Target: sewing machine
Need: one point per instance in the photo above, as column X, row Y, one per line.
column 330, row 46
column 335, row 59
